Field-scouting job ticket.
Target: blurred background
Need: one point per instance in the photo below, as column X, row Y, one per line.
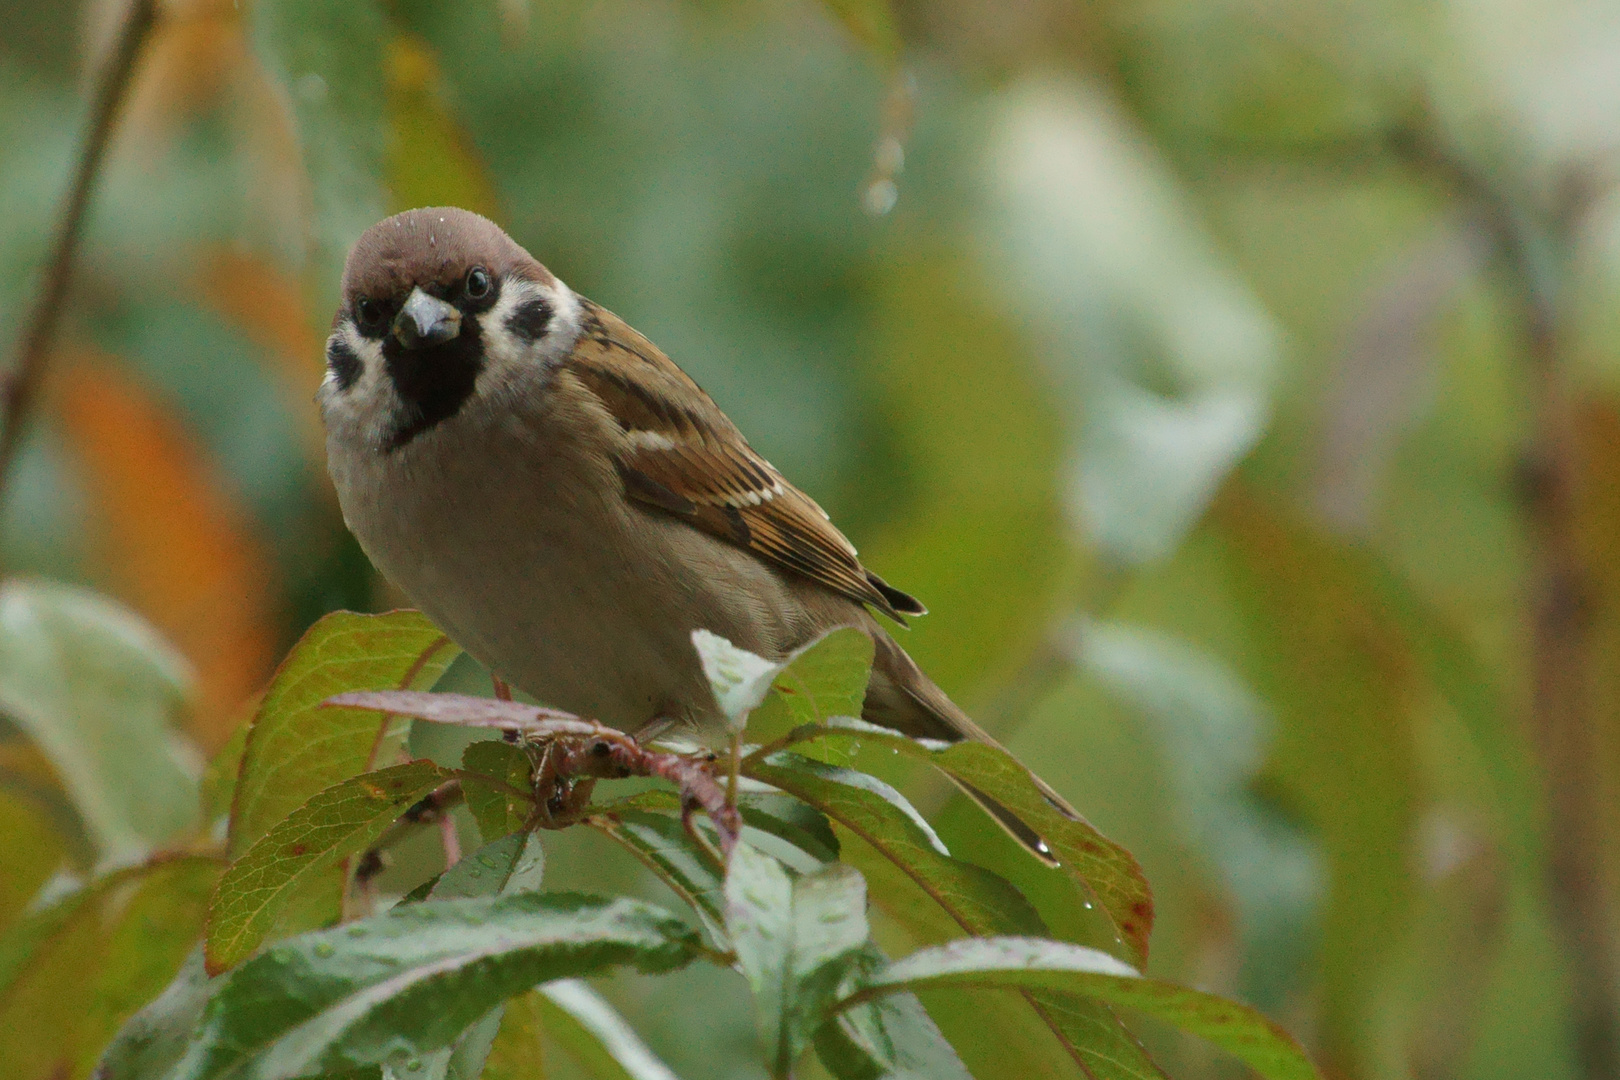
column 1238, row 384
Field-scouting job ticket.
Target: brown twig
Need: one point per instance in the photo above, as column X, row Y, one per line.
column 1533, row 252
column 614, row 755
column 22, row 384
column 573, row 750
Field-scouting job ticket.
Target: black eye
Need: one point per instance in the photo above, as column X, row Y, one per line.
column 478, row 283
column 369, row 314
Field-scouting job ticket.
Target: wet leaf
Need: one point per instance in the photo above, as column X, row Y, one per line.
column 824, row 679
column 511, row 864
column 1101, row 866
column 976, row 900
column 296, row 747
column 1075, row 969
column 497, row 811
column 408, row 982
column 96, row 688
column 343, row 820
column 795, row 939
column 891, row 1036
column 152, row 1040
column 662, row 845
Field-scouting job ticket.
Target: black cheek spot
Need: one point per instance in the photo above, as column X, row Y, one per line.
column 529, row 319
column 343, row 362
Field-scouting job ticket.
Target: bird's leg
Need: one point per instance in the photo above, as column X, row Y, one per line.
column 503, row 692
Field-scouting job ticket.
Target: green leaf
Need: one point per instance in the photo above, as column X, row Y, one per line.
column 96, row 688
column 296, row 747
column 341, row 821
column 739, row 679
column 978, row 901
column 408, row 982
column 794, row 940
column 824, row 679
column 218, row 787
column 891, row 1036
column 790, row 819
column 152, row 1040
column 329, row 57
column 662, row 846
column 76, row 971
column 1099, row 865
column 594, row 1034
column 1074, row 969
column 463, row 1059
column 497, row 811
column 513, row 863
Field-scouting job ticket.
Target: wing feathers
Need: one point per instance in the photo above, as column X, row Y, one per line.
column 682, row 455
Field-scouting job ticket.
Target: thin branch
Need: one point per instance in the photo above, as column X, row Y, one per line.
column 1533, row 253
column 22, row 384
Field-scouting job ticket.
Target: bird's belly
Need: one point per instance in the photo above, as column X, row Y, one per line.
column 548, row 596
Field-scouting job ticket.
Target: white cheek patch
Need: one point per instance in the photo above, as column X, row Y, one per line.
column 513, row 339
column 366, row 408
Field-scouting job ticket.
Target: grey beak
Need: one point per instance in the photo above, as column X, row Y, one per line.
column 425, row 320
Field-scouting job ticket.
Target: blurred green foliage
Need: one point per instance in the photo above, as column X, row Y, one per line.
column 1186, row 382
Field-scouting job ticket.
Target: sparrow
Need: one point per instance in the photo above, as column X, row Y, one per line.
column 569, row 506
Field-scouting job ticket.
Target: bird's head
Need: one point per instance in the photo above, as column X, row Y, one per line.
column 439, row 305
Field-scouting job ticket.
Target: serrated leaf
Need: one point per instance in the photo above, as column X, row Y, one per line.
column 1074, row 969
column 1099, row 865
column 329, row 57
column 889, row 1037
column 79, row 969
column 343, row 820
column 790, row 819
column 794, row 941
column 497, row 811
column 95, row 688
column 296, row 747
column 463, row 1059
column 595, row 1035
column 978, row 901
column 662, row 846
column 824, row 679
column 408, row 982
column 513, row 863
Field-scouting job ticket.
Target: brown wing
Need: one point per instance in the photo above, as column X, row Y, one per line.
column 683, row 455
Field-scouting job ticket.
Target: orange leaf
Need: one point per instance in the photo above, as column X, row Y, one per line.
column 173, row 544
